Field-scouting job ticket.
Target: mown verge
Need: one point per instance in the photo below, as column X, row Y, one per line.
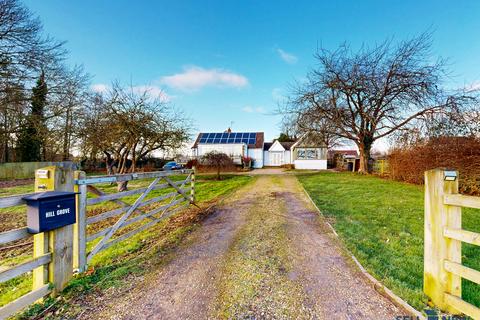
column 382, row 223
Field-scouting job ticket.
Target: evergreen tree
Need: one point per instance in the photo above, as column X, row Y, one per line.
column 31, row 140
column 285, row 137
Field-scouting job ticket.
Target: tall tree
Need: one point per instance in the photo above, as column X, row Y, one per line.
column 32, row 139
column 304, row 121
column 24, row 51
column 369, row 94
column 128, row 124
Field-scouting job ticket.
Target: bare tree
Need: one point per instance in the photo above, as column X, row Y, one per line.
column 25, row 52
column 218, row 160
column 369, row 94
column 69, row 93
column 127, row 125
column 302, row 121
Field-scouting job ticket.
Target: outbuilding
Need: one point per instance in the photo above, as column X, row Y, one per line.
column 276, row 154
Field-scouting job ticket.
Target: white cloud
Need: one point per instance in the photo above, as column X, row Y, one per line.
column 250, row 109
column 194, row 78
column 100, row 87
column 287, row 57
column 153, row 91
column 474, row 86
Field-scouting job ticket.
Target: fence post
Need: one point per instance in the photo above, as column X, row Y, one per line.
column 59, row 241
column 43, row 182
column 80, row 228
column 438, row 248
column 192, row 183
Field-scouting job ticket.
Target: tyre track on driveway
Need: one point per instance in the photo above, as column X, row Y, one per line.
column 186, row 286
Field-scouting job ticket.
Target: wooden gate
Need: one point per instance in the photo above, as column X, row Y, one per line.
column 173, row 196
column 443, row 270
column 154, row 196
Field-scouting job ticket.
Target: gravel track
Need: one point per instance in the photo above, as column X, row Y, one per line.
column 187, row 287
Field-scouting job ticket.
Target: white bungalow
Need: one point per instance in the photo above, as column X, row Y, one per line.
column 308, row 152
column 305, row 153
column 234, row 144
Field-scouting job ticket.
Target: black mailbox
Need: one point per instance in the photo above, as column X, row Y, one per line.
column 50, row 210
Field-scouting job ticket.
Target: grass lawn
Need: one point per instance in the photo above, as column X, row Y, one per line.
column 381, row 222
column 131, row 256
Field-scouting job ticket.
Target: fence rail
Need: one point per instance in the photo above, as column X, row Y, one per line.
column 59, row 252
column 443, row 269
column 20, row 269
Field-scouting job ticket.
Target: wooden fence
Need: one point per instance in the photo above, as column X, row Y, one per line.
column 443, row 269
column 57, row 254
column 26, row 170
column 381, row 167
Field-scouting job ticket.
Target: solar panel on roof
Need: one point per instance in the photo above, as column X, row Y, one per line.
column 228, row 137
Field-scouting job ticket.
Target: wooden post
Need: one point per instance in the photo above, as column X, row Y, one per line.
column 80, row 228
column 43, row 182
column 192, row 182
column 437, row 248
column 59, row 241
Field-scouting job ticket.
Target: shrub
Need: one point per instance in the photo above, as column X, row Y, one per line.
column 247, row 162
column 191, row 163
column 459, row 153
column 217, row 160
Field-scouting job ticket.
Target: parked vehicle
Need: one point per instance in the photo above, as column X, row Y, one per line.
column 172, row 165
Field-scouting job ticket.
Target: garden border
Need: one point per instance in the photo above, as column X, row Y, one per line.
column 376, row 284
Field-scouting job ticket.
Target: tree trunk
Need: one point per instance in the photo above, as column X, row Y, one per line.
column 364, row 148
column 218, row 173
column 66, row 137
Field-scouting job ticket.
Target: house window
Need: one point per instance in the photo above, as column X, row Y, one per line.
column 308, row 154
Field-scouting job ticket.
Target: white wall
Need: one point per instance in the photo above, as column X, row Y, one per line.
column 310, row 164
column 257, row 155
column 234, row 150
column 286, row 158
column 276, row 146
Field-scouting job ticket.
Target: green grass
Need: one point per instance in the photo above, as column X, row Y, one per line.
column 130, row 257
column 26, row 188
column 381, row 222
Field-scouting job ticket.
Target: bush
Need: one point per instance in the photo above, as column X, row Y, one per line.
column 218, row 161
column 247, row 162
column 191, row 163
column 459, row 153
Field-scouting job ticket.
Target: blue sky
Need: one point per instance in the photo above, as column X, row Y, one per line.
column 224, row 61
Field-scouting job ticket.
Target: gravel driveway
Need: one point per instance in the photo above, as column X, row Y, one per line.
column 188, row 286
